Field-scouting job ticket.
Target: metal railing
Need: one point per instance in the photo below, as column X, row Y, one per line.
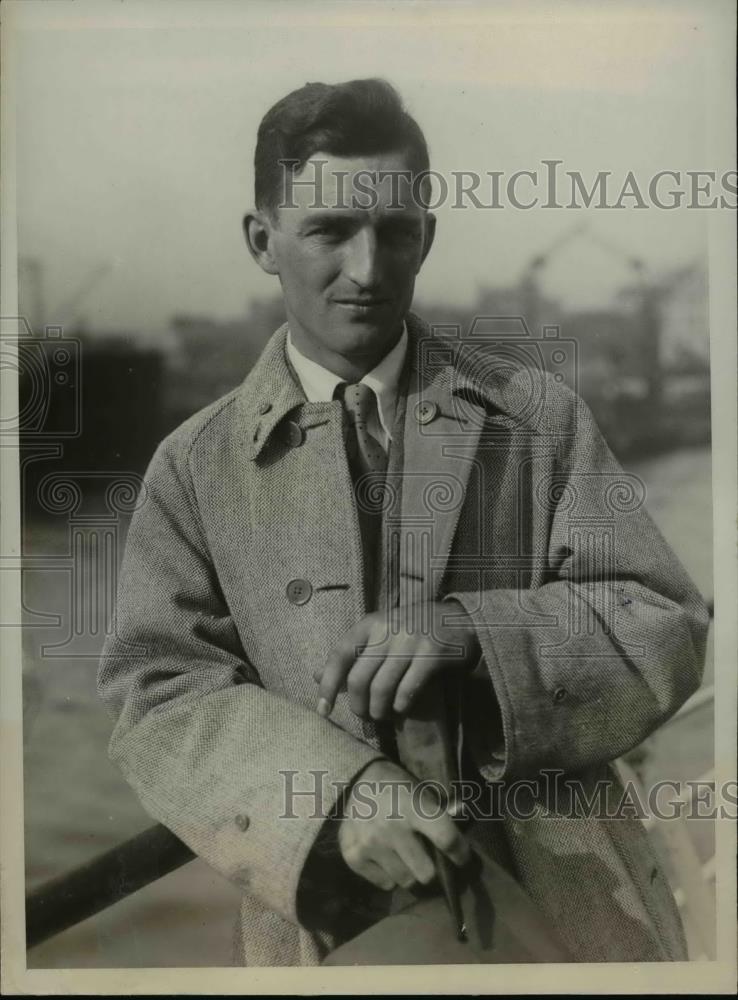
column 108, row 878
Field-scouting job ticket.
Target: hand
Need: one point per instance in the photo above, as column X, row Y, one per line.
column 383, row 818
column 387, row 659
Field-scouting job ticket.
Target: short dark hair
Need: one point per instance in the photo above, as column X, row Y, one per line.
column 357, row 118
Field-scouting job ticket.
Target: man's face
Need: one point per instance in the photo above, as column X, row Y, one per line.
column 348, row 272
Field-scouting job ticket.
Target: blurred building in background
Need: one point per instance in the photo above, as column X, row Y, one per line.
column 685, row 320
column 211, row 358
column 87, row 405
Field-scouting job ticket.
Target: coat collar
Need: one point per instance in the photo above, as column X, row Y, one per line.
column 268, row 393
column 438, row 368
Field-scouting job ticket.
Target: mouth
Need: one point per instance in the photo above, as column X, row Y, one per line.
column 362, row 304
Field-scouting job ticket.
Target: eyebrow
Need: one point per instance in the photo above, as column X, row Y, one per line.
column 329, row 217
column 346, row 216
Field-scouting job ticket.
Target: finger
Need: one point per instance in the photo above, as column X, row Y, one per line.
column 442, row 831
column 392, row 863
column 372, row 872
column 424, row 666
column 417, row 859
column 386, row 680
column 339, row 663
column 361, row 674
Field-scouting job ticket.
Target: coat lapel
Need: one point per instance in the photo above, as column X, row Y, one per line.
column 440, row 442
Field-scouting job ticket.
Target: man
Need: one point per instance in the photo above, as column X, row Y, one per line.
column 376, row 515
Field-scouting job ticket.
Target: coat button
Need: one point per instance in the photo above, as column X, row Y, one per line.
column 242, row 822
column 264, row 407
column 425, row 412
column 294, row 434
column 560, row 694
column 299, row 591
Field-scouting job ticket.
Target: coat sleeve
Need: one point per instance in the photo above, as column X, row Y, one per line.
column 207, row 749
column 582, row 668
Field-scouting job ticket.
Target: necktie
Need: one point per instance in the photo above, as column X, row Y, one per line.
column 365, row 453
column 368, row 463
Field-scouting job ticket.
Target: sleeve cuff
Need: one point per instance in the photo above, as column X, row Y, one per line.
column 482, row 728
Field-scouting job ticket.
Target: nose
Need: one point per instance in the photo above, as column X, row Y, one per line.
column 362, row 263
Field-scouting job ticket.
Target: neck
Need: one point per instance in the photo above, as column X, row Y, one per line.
column 350, row 368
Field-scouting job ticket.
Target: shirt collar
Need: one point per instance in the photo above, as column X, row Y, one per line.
column 319, row 384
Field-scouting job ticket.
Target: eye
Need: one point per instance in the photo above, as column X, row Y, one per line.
column 328, row 230
column 402, row 232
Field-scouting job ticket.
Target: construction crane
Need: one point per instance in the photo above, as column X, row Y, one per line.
column 647, row 296
column 31, row 291
column 531, row 274
column 67, row 313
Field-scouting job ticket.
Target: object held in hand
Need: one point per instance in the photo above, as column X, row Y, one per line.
column 447, row 876
column 503, row 925
column 493, row 920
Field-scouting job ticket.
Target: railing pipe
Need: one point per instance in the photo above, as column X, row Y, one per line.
column 108, row 878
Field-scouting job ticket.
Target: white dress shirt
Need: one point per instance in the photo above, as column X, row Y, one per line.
column 319, row 384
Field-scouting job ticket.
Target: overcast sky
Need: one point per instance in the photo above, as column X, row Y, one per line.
column 136, row 128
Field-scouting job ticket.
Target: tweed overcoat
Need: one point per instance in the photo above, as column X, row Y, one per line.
column 592, row 635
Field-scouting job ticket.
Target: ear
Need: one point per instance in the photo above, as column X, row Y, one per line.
column 258, row 230
column 430, row 235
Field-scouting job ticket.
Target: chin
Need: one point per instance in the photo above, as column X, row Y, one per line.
column 378, row 326
column 365, row 337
